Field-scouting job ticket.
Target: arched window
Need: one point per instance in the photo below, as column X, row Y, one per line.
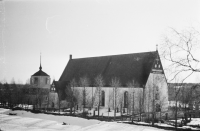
column 52, row 87
column 125, row 99
column 158, row 109
column 102, row 98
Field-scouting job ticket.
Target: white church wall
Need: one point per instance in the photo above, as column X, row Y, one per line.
column 92, row 97
column 53, row 100
column 156, row 87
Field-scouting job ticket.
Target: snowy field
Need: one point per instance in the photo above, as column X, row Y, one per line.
column 26, row 121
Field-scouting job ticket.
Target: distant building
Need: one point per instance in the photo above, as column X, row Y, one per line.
column 148, row 91
column 187, row 95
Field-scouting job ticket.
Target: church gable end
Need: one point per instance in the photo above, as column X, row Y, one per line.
column 157, row 65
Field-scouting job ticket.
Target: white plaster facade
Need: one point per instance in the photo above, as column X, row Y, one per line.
column 92, row 98
column 41, row 81
column 156, row 84
column 143, row 97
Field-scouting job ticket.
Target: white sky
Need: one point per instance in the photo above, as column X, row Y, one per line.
column 83, row 28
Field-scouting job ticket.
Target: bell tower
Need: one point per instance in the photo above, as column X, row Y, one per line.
column 40, row 78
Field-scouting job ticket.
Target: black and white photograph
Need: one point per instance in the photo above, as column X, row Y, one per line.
column 99, row 65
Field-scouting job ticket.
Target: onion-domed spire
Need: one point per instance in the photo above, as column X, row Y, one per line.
column 40, row 72
column 40, row 63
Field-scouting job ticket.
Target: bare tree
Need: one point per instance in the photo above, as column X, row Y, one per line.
column 120, row 98
column 189, row 97
column 186, row 97
column 73, row 84
column 180, row 49
column 77, row 96
column 160, row 101
column 28, row 81
column 110, row 99
column 1, row 93
column 176, row 89
column 59, row 99
column 140, row 103
column 84, row 82
column 131, row 86
column 99, row 83
column 177, row 92
column 148, row 99
column 8, row 94
column 115, row 83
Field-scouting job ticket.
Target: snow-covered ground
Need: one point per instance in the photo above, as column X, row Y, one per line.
column 67, row 119
column 27, row 121
column 194, row 122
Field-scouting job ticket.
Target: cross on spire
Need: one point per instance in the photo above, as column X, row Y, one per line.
column 40, row 62
column 156, row 47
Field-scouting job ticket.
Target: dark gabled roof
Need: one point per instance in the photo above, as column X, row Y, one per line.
column 126, row 67
column 40, row 73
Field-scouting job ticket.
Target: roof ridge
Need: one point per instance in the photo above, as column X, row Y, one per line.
column 114, row 55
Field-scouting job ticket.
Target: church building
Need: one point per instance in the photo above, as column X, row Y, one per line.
column 133, row 82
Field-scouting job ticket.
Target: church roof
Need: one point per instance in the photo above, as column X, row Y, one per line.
column 61, row 88
column 40, row 73
column 126, row 67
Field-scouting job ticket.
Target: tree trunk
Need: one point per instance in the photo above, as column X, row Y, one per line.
column 114, row 103
column 176, row 116
column 99, row 104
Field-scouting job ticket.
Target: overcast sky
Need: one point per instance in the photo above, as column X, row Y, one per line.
column 83, row 28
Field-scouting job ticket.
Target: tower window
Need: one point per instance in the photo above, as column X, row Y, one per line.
column 46, row 81
column 35, row 80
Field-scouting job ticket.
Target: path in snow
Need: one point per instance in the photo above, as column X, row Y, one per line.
column 19, row 123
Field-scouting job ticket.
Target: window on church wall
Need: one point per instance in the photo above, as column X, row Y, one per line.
column 125, row 99
column 157, row 96
column 102, row 98
column 158, row 109
column 157, row 88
